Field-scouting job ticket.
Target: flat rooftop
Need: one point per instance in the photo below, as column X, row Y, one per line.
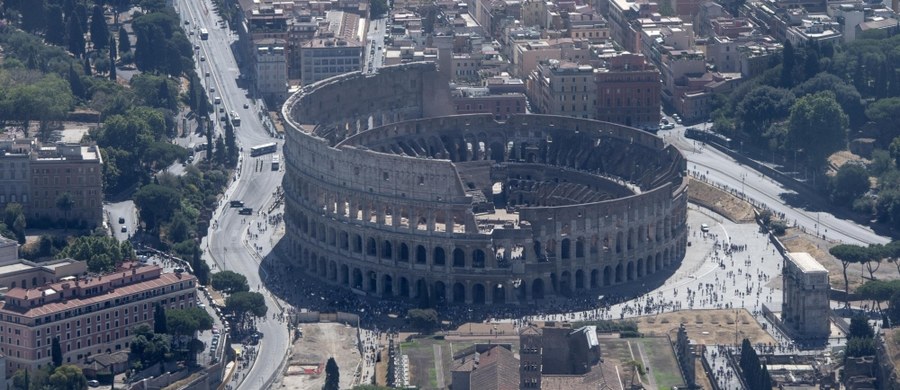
column 806, row 262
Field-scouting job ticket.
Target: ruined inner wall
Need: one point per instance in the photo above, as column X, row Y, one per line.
column 375, row 200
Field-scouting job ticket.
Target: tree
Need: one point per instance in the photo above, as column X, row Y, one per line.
column 424, row 319
column 849, row 183
column 849, row 254
column 229, row 282
column 99, row 31
column 859, row 347
column 332, row 375
column 75, row 36
column 33, row 16
column 157, row 204
column 378, row 7
column 894, row 308
column 845, row 94
column 819, row 126
column 65, row 202
column 124, row 41
column 186, row 322
column 56, row 352
column 87, row 67
column 761, row 107
column 112, row 69
column 102, row 253
column 244, row 305
column 160, row 324
column 220, row 155
column 787, row 65
column 113, row 52
column 56, row 28
column 68, row 377
column 75, row 83
column 860, row 328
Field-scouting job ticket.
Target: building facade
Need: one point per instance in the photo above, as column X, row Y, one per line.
column 628, row 91
column 37, row 176
column 271, row 70
column 322, row 58
column 89, row 316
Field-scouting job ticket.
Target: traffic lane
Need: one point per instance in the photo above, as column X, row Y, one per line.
column 122, row 215
column 721, row 169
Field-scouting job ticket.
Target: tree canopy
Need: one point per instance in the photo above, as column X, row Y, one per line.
column 817, row 125
column 229, row 282
column 102, row 253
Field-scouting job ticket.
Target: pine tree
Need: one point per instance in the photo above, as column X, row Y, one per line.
column 209, row 140
column 159, row 320
column 99, row 31
column 113, row 53
column 56, row 352
column 124, row 42
column 332, row 375
column 75, row 83
column 787, row 65
column 56, row 28
column 81, row 11
column 221, row 154
column 76, row 36
column 232, row 151
column 87, row 67
column 34, row 18
column 112, row 69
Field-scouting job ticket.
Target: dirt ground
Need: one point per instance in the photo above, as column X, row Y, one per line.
column 706, row 326
column 797, row 241
column 720, row 201
column 319, row 342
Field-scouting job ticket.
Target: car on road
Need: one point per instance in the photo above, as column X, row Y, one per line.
column 212, row 89
column 704, row 228
column 124, row 229
column 93, row 383
column 121, row 219
column 666, row 126
column 202, row 58
column 246, row 105
column 246, row 211
column 207, row 74
column 196, row 47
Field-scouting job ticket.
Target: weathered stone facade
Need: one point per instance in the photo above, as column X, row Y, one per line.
column 388, row 194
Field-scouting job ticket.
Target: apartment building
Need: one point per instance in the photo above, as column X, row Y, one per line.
column 271, row 70
column 35, row 176
column 89, row 315
column 628, row 91
column 563, row 88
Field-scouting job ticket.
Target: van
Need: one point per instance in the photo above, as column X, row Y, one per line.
column 237, row 203
column 704, row 228
column 246, row 211
column 218, row 100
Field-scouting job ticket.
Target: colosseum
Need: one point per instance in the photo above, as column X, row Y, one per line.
column 389, row 194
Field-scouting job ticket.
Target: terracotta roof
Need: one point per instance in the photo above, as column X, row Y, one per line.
column 497, row 369
column 71, row 303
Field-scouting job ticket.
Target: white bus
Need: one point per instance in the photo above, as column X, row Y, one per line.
column 235, row 119
column 276, row 161
column 204, row 34
column 260, row 150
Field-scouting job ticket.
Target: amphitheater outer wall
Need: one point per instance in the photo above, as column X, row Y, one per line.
column 362, row 215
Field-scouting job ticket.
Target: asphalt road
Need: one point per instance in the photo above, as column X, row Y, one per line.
column 374, row 57
column 226, row 247
column 721, row 169
column 125, row 210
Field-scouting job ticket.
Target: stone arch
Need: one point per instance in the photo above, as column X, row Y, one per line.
column 619, row 238
column 357, row 243
column 459, row 293
column 371, row 247
column 332, row 237
column 659, row 264
column 595, row 278
column 630, row 271
column 387, row 285
column 323, row 270
column 373, row 281
column 332, row 271
column 579, row 280
column 521, row 290
column 404, row 287
column 440, row 292
column 422, row 289
column 649, row 265
column 537, row 289
column 579, row 248
column 459, row 258
column 421, row 254
column 440, row 257
column 345, row 275
column 478, row 258
column 565, row 282
column 564, row 251
column 607, row 276
column 630, row 245
column 344, row 241
column 478, row 294
column 357, row 279
column 404, row 252
column 620, row 273
column 387, row 250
